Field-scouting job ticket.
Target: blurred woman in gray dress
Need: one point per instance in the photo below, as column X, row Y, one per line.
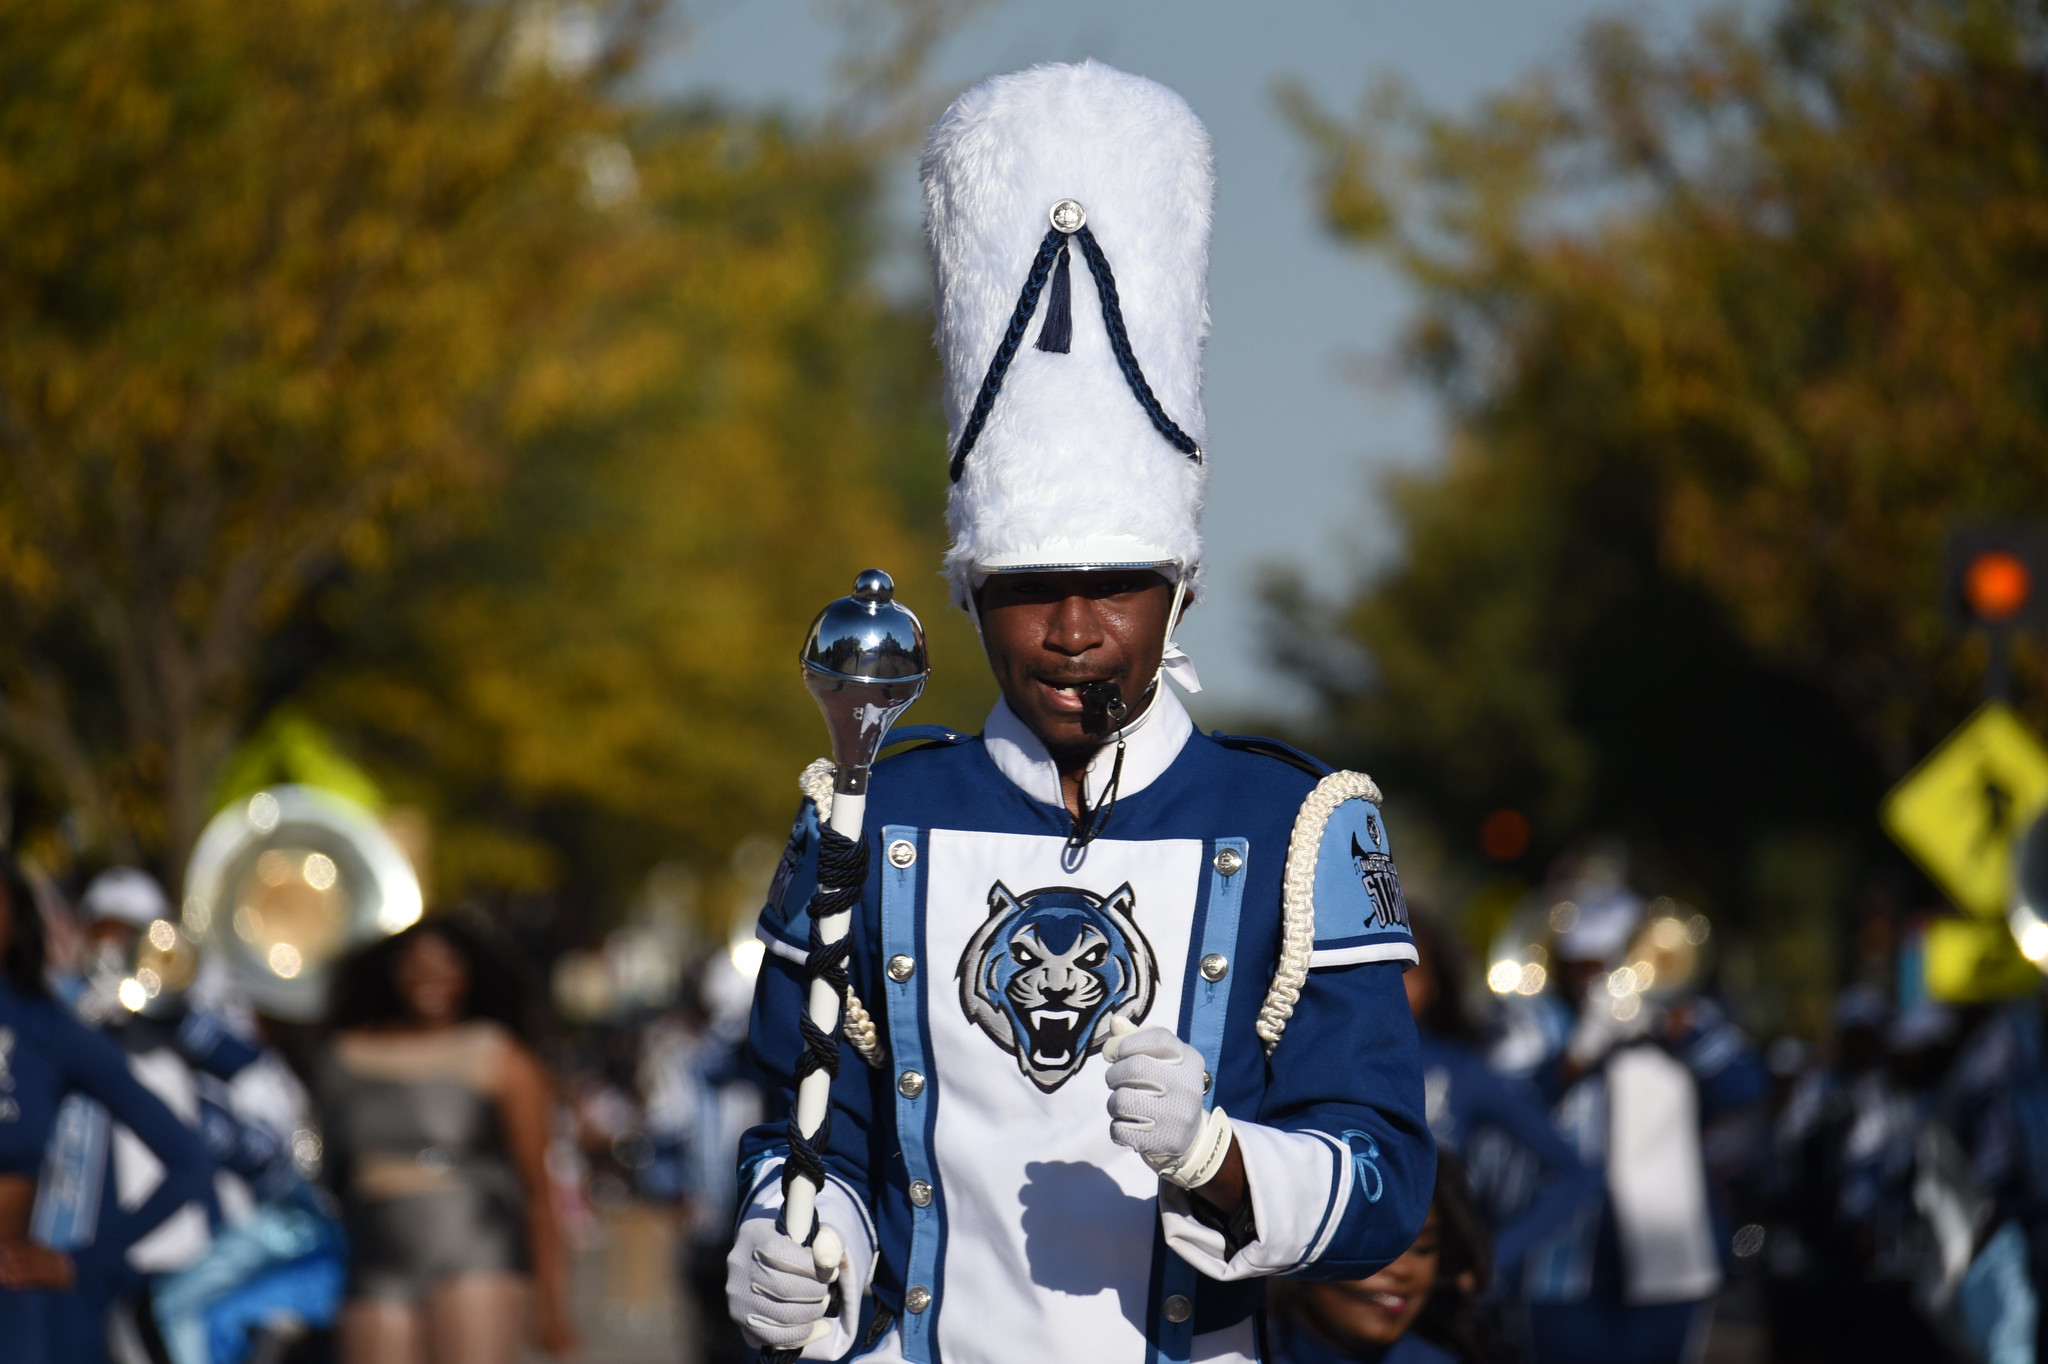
column 436, row 1114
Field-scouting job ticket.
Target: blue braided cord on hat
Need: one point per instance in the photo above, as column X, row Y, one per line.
column 1120, row 344
column 1052, row 248
column 999, row 364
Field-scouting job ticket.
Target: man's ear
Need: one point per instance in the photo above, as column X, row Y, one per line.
column 1468, row 1282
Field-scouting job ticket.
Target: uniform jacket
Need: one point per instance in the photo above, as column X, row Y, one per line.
column 974, row 1165
column 1583, row 1260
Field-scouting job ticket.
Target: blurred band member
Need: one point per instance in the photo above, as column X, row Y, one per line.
column 197, row 1059
column 1997, row 1101
column 119, row 906
column 1636, row 1283
column 1526, row 1179
column 1424, row 1308
column 437, row 1120
column 1820, row 1295
column 270, row 1265
column 703, row 1093
column 52, row 1303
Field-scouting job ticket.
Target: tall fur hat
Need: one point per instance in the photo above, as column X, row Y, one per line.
column 1073, row 386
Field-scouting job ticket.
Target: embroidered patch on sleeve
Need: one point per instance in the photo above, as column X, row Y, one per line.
column 1360, row 912
column 786, row 919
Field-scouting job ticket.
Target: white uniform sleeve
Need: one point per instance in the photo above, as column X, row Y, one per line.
column 842, row 1210
column 1298, row 1183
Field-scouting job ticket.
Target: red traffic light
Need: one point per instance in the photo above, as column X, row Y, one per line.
column 1994, row 575
column 1997, row 585
column 1504, row 835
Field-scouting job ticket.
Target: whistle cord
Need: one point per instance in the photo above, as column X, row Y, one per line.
column 1089, row 824
column 842, row 873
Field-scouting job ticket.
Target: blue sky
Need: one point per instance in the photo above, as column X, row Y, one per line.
column 1299, row 444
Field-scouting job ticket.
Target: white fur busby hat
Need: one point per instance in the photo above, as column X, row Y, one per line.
column 1068, row 208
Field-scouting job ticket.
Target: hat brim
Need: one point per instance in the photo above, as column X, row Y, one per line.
column 1094, row 553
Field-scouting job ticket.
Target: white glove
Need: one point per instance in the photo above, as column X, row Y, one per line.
column 1155, row 1104
column 779, row 1292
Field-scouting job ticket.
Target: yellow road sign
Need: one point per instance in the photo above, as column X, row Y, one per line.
column 1974, row 961
column 1962, row 809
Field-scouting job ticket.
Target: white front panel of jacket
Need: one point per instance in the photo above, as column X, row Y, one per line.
column 1050, row 1225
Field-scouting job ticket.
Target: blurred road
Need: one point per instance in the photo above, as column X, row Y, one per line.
column 628, row 1310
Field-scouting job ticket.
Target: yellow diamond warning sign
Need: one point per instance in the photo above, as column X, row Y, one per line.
column 1962, row 809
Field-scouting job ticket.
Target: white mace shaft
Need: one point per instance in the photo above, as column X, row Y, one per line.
column 814, row 1093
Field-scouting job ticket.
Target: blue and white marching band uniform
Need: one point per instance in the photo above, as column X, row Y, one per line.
column 1633, row 1278
column 1528, row 1180
column 977, row 1158
column 1238, row 893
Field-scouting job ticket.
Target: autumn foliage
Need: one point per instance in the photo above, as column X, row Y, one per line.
column 401, row 368
column 1733, row 332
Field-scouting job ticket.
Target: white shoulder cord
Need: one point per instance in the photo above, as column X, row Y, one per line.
column 859, row 1026
column 1297, row 896
column 816, row 784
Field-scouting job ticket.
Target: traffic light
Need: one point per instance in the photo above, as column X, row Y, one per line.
column 1997, row 577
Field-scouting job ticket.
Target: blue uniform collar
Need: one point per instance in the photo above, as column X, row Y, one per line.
column 1151, row 743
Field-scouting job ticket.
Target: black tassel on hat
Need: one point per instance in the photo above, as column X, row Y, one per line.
column 1057, row 334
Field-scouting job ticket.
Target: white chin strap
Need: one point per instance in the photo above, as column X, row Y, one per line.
column 1175, row 663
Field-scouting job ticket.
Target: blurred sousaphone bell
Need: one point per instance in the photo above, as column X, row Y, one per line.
column 287, row 881
column 1666, row 957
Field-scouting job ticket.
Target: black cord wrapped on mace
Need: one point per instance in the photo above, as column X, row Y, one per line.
column 864, row 662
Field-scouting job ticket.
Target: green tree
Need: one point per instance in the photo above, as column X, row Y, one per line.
column 1731, row 334
column 274, row 280
column 601, row 672
column 400, row 369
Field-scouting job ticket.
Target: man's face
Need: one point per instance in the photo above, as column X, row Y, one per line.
column 1050, row 634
